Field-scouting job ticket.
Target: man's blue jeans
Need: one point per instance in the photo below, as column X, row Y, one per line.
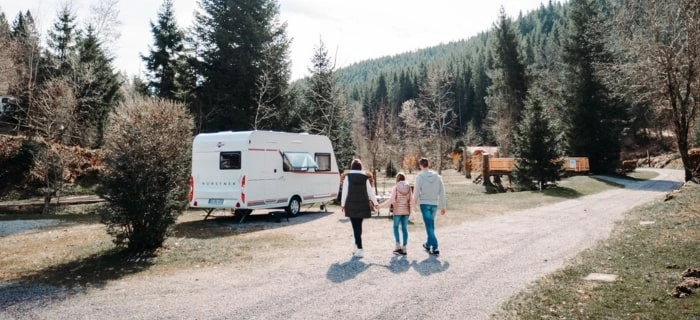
column 428, row 212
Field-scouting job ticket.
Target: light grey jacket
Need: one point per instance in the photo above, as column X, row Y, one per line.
column 429, row 189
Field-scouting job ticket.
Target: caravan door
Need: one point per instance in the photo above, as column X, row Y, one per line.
column 263, row 187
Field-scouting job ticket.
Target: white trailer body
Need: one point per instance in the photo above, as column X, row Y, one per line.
column 262, row 170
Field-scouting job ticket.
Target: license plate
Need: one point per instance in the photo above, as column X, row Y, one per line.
column 216, row 201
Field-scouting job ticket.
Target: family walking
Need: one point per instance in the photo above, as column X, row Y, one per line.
column 358, row 199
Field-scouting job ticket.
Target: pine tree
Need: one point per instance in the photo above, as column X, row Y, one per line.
column 232, row 37
column 592, row 117
column 98, row 90
column 480, row 83
column 162, row 59
column 324, row 111
column 59, row 59
column 509, row 84
column 62, row 37
column 536, row 147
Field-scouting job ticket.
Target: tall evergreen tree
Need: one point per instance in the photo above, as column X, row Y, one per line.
column 233, row 37
column 162, row 59
column 62, row 45
column 480, row 83
column 62, row 37
column 593, row 119
column 324, row 111
column 98, row 90
column 509, row 84
column 536, row 146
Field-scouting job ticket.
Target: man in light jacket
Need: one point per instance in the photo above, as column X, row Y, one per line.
column 429, row 195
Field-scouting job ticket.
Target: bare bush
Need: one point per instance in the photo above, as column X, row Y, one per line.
column 147, row 162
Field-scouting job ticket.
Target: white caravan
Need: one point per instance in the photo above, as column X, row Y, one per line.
column 262, row 170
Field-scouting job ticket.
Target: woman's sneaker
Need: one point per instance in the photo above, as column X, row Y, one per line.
column 358, row 253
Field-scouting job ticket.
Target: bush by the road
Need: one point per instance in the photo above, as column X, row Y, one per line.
column 147, row 161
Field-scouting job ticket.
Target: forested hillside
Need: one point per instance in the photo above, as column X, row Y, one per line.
column 571, row 57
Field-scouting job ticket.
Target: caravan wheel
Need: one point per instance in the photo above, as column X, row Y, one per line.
column 294, row 206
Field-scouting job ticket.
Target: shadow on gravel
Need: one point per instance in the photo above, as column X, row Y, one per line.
column 341, row 272
column 399, row 264
column 223, row 226
column 71, row 277
column 430, row 265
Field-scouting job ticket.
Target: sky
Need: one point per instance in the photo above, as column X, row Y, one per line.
column 352, row 30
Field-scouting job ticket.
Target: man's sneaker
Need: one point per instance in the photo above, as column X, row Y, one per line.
column 427, row 249
column 397, row 251
column 358, row 253
column 435, row 252
column 403, row 252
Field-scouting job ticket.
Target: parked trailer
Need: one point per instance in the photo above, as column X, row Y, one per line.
column 251, row 170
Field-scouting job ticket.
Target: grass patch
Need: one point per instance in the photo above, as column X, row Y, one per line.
column 470, row 201
column 648, row 258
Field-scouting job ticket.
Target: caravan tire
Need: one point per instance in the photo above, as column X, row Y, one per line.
column 294, row 206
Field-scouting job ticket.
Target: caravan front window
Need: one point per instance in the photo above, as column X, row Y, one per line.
column 298, row 161
column 230, row 160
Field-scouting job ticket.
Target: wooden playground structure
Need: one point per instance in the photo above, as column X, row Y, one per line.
column 484, row 166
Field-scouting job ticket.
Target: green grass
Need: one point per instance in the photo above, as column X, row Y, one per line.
column 648, row 259
column 470, row 201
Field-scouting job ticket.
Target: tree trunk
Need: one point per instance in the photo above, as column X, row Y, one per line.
column 683, row 150
column 485, row 171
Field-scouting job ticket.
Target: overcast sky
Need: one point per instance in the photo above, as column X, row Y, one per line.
column 353, row 30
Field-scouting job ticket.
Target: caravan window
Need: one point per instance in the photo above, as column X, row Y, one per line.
column 230, row 160
column 324, row 161
column 298, row 161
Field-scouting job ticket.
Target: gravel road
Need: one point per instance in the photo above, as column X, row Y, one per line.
column 483, row 263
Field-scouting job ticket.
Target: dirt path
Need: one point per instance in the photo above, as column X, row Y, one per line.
column 483, row 263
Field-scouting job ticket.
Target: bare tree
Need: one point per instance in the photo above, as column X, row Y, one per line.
column 435, row 106
column 266, row 95
column 659, row 49
column 53, row 113
column 104, row 18
column 413, row 134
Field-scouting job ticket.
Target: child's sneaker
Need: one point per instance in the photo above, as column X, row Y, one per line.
column 397, row 250
column 403, row 251
column 435, row 252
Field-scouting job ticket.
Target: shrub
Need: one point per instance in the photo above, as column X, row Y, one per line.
column 17, row 159
column 147, row 160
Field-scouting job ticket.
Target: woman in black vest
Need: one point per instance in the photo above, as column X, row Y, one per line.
column 356, row 196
